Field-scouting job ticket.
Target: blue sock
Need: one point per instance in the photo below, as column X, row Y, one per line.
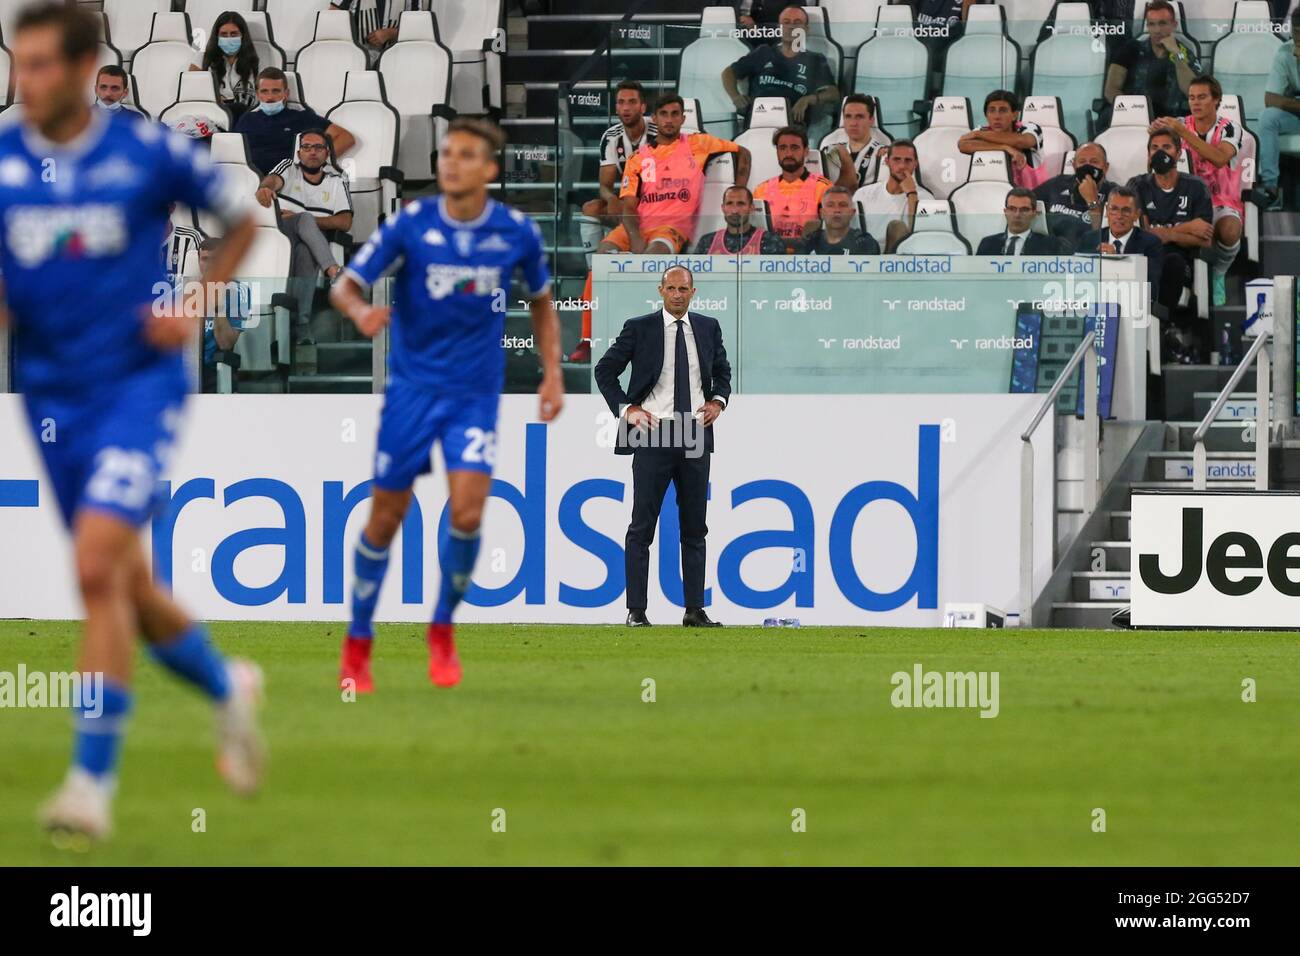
column 369, row 566
column 457, row 552
column 98, row 725
column 192, row 657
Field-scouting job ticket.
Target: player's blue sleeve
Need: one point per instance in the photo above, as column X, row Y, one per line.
column 384, row 248
column 189, row 176
column 537, row 276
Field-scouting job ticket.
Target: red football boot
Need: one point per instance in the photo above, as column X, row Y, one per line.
column 444, row 665
column 355, row 665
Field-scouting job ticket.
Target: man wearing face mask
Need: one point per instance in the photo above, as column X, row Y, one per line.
column 271, row 129
column 1074, row 201
column 110, row 89
column 1177, row 210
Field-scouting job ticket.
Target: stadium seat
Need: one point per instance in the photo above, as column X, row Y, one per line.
column 979, row 201
column 293, row 23
column 204, row 13
column 941, row 164
column 852, row 23
column 1243, row 58
column 1125, row 141
column 229, row 151
column 474, row 31
column 229, row 148
column 691, row 116
column 371, row 165
column 160, row 62
column 700, row 70
column 767, row 115
column 934, row 233
column 294, row 83
column 1246, row 161
column 269, row 53
column 417, row 77
column 197, row 96
column 1205, row 21
column 1071, row 67
column 1025, row 19
column 982, row 59
column 1046, row 112
column 266, row 341
column 322, row 63
column 893, row 66
column 820, row 40
column 129, row 23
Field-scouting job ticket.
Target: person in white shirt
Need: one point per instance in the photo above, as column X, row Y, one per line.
column 314, row 200
column 890, row 203
column 851, row 164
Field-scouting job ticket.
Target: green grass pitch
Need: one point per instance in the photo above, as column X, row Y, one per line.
column 748, row 725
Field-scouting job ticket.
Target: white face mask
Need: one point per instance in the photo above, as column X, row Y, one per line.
column 108, row 107
column 270, row 109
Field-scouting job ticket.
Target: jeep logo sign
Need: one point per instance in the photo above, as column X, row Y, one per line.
column 1217, row 559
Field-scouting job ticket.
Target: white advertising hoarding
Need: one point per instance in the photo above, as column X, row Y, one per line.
column 1216, row 559
column 832, row 509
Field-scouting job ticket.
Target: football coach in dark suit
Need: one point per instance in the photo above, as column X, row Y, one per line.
column 680, row 384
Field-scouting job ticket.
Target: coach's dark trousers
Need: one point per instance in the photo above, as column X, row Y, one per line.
column 652, row 471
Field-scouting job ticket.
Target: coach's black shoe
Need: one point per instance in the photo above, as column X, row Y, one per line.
column 637, row 618
column 695, row 617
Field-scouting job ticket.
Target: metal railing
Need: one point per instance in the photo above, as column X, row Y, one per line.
column 1085, row 353
column 1263, row 400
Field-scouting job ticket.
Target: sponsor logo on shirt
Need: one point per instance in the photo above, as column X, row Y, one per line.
column 38, row 234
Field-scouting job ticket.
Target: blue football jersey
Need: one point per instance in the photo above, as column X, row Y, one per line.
column 452, row 287
column 80, row 228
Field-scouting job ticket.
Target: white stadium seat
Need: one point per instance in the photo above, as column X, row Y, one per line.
column 892, row 66
column 851, row 23
column 204, row 13
column 129, row 23
column 979, row 201
column 1243, row 58
column 267, row 343
column 820, row 41
column 475, row 33
column 1205, row 21
column 1070, row 66
column 1125, row 141
column 934, row 232
column 417, row 78
column 197, row 96
column 293, row 23
column 941, row 164
column 160, row 62
column 1046, row 112
column 1025, row 19
column 982, row 59
column 370, row 166
column 269, row 52
column 691, row 116
column 769, row 112
column 321, row 64
column 701, row 65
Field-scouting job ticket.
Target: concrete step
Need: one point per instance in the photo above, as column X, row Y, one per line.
column 1222, row 436
column 1086, row 614
column 1099, row 586
column 1111, row 556
column 1119, row 525
column 1221, row 465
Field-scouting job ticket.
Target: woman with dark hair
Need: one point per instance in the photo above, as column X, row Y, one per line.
column 232, row 60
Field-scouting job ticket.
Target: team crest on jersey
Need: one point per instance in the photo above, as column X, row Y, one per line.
column 38, row 234
column 464, row 241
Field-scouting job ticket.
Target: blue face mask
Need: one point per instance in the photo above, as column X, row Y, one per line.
column 110, row 107
column 270, row 109
column 230, row 45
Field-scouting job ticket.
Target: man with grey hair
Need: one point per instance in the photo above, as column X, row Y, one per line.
column 836, row 236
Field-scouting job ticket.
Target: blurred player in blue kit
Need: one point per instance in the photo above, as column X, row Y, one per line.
column 453, row 257
column 84, row 197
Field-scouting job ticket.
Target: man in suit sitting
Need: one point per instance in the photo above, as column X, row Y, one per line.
column 1122, row 237
column 680, row 384
column 1017, row 240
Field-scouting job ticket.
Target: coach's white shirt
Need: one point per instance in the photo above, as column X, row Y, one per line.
column 659, row 402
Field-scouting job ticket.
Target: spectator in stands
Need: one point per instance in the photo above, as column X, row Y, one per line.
column 1156, row 65
column 1017, row 240
column 890, row 203
column 1281, row 116
column 1177, row 210
column 660, row 195
column 232, row 60
column 224, row 316
column 179, row 242
column 758, row 12
column 1122, row 237
column 851, row 164
column 786, row 69
column 740, row 236
column 110, row 88
column 1212, row 143
column 939, row 20
column 271, row 128
column 836, row 236
column 1074, row 201
column 314, row 200
column 632, row 131
column 1004, row 131
column 376, row 22
column 794, row 196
